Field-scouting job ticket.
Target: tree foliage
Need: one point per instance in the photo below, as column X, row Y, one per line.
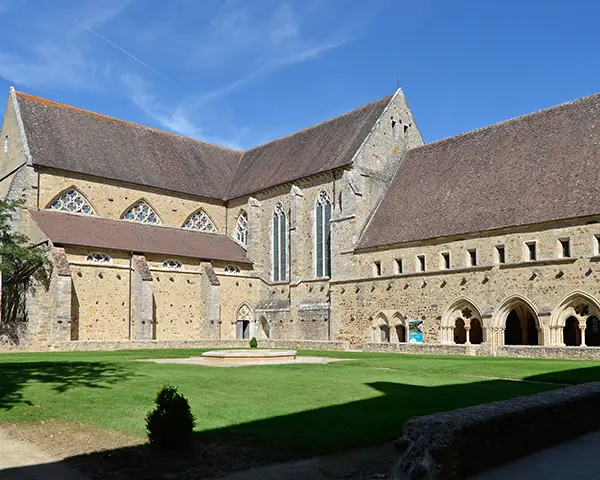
column 18, row 259
column 171, row 424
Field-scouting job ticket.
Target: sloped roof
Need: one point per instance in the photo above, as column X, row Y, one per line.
column 322, row 147
column 76, row 140
column 536, row 168
column 80, row 230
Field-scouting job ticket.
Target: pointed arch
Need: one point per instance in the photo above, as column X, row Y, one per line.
column 323, row 211
column 399, row 328
column 516, row 322
column 141, row 211
column 241, row 229
column 71, row 200
column 263, row 328
column 201, row 221
column 244, row 321
column 577, row 304
column 279, row 250
column 457, row 321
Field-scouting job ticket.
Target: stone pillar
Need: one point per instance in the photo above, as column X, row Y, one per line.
column 582, row 328
column 295, row 247
column 142, row 306
column 468, row 330
column 211, row 289
column 62, row 285
column 255, row 242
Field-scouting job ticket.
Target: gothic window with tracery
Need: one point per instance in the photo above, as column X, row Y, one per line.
column 143, row 213
column 172, row 265
column 279, row 244
column 241, row 229
column 98, row 258
column 200, row 221
column 72, row 201
column 323, row 235
column 231, row 269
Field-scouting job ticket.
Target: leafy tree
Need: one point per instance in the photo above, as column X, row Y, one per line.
column 171, row 423
column 18, row 259
column 253, row 343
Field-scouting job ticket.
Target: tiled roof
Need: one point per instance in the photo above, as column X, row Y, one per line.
column 68, row 138
column 76, row 140
column 320, row 148
column 536, row 168
column 80, row 230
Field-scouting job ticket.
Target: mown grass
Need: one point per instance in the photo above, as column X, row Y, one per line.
column 309, row 409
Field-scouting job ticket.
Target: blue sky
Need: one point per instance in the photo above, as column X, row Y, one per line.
column 242, row 72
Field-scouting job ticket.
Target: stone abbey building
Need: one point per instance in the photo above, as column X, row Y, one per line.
column 346, row 232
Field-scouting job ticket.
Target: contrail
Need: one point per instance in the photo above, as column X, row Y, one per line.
column 130, row 55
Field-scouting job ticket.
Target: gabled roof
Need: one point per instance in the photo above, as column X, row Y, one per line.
column 536, row 168
column 68, row 138
column 320, row 148
column 80, row 230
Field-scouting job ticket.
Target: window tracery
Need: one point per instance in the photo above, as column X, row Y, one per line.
column 143, row 213
column 172, row 265
column 241, row 229
column 200, row 221
column 72, row 201
column 98, row 258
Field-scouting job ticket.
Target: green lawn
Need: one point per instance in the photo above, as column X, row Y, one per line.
column 307, row 409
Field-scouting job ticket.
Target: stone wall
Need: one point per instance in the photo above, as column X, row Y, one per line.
column 460, row 443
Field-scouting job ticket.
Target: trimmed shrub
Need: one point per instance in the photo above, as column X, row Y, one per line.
column 253, row 343
column 171, row 423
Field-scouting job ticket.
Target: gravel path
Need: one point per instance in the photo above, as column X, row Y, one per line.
column 21, row 460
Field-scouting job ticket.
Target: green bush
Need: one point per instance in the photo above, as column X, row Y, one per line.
column 171, row 423
column 253, row 343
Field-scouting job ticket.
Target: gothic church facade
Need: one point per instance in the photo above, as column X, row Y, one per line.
column 343, row 232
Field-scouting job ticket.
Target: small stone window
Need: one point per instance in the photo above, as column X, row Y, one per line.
column 231, row 269
column 420, row 264
column 564, row 248
column 531, row 248
column 377, row 269
column 500, row 254
column 143, row 213
column 398, row 266
column 172, row 265
column 241, row 229
column 98, row 258
column 200, row 221
column 445, row 260
column 472, row 257
column 73, row 202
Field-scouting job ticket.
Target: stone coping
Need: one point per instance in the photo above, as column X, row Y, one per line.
column 456, row 444
column 242, row 355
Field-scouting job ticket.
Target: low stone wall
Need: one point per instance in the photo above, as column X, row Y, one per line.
column 573, row 353
column 460, row 443
column 427, row 349
column 92, row 345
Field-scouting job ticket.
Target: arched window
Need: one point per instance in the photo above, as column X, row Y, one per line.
column 172, row 265
column 200, row 221
column 323, row 235
column 98, row 258
column 72, row 201
column 231, row 269
column 279, row 244
column 143, row 213
column 241, row 229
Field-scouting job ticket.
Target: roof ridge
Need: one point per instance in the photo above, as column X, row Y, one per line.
column 318, row 124
column 518, row 118
column 45, row 101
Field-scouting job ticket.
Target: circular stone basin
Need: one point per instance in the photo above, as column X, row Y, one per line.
column 250, row 355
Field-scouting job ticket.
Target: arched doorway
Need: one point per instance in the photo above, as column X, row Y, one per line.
column 460, row 333
column 592, row 331
column 243, row 323
column 385, row 334
column 264, row 328
column 401, row 333
column 572, row 333
column 476, row 332
column 521, row 327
